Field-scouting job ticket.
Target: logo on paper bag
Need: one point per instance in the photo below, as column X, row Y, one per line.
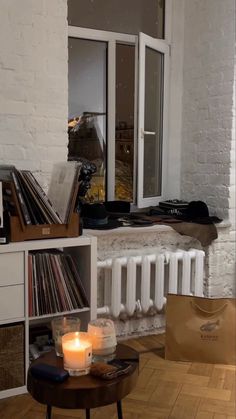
column 209, row 327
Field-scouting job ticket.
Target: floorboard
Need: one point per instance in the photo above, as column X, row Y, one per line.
column 165, row 389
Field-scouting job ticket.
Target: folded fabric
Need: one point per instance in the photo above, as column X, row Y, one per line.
column 205, row 233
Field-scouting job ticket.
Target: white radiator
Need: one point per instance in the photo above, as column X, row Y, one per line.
column 140, row 282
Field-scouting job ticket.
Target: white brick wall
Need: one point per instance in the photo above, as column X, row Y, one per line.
column 208, row 147
column 208, row 103
column 33, row 88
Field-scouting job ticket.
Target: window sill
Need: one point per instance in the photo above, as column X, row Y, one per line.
column 128, row 230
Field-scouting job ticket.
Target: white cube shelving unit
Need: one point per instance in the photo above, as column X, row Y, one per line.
column 14, row 285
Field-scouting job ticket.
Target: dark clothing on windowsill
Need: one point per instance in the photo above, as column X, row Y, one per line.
column 203, row 230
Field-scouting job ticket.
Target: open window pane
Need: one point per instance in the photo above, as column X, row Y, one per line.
column 87, row 108
column 152, row 173
column 152, row 120
column 124, row 149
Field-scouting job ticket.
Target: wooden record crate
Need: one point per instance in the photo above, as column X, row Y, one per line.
column 19, row 231
column 43, row 231
column 12, row 358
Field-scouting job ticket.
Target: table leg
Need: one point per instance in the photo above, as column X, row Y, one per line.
column 87, row 413
column 119, row 410
column 49, row 412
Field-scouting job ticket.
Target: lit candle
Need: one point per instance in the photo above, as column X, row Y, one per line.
column 77, row 352
column 103, row 337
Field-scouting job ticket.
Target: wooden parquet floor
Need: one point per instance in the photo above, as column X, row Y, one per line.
column 165, row 389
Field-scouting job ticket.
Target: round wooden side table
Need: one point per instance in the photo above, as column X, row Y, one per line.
column 84, row 392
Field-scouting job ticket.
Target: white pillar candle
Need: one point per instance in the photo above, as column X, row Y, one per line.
column 77, row 351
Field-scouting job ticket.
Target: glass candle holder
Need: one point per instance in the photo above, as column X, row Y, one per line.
column 103, row 338
column 77, row 353
column 61, row 326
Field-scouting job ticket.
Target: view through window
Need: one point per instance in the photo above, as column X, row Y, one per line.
column 91, row 137
column 87, row 108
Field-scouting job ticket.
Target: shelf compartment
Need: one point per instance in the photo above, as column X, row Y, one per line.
column 12, row 350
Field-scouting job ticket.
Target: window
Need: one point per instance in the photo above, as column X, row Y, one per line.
column 118, row 110
column 87, row 122
column 152, row 120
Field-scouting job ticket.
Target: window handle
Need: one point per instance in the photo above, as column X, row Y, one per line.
column 147, row 133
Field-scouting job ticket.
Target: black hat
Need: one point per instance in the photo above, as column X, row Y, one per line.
column 96, row 217
column 122, row 207
column 197, row 211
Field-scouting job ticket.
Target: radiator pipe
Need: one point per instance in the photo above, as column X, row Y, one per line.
column 116, row 287
column 131, row 286
column 173, row 271
column 199, row 270
column 160, row 300
column 186, row 276
column 145, row 283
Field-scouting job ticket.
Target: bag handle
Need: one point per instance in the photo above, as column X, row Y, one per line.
column 210, row 313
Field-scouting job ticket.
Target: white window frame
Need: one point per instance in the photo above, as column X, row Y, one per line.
column 111, row 38
column 162, row 47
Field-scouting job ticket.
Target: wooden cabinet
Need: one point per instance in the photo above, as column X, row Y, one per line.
column 14, row 288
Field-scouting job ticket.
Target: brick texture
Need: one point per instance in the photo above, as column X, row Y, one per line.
column 208, row 104
column 33, row 73
column 208, row 145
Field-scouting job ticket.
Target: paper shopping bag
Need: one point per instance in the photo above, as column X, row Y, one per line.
column 201, row 329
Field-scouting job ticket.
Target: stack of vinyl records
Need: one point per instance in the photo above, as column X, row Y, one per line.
column 54, row 284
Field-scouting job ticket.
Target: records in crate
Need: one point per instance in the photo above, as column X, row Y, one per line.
column 30, row 214
column 23, row 196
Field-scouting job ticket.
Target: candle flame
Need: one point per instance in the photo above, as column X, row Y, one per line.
column 77, row 342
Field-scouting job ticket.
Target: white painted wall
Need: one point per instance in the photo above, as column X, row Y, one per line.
column 176, row 39
column 208, row 78
column 33, row 84
column 208, row 146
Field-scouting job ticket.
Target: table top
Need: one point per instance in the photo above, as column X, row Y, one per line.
column 87, row 391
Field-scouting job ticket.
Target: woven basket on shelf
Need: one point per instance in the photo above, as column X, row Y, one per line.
column 12, row 363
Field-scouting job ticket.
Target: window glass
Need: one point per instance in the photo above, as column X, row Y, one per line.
column 87, row 108
column 153, row 123
column 125, row 78
column 124, row 16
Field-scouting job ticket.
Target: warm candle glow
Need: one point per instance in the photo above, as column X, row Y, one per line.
column 77, row 351
column 77, row 342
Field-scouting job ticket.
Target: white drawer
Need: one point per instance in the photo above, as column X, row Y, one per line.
column 11, row 302
column 11, row 268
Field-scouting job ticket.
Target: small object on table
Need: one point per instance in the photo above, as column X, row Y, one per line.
column 61, row 326
column 111, row 370
column 77, row 353
column 49, row 372
column 103, row 338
